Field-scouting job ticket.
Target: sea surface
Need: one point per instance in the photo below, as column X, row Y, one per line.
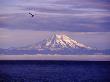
column 54, row 71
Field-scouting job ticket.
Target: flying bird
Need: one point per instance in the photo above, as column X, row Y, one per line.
column 31, row 14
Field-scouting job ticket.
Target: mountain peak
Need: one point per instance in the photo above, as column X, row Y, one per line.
column 60, row 41
column 57, row 42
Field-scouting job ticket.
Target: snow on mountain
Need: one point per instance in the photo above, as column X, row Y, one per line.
column 61, row 41
column 57, row 41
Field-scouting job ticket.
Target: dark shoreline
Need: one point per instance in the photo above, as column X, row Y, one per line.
column 51, row 62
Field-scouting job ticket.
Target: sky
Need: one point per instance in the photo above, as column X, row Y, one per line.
column 87, row 21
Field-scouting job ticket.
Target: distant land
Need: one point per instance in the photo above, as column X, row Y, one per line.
column 56, row 44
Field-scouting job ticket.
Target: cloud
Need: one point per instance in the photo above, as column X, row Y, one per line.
column 56, row 15
column 57, row 22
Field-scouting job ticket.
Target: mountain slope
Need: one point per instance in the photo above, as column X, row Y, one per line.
column 56, row 42
column 59, row 42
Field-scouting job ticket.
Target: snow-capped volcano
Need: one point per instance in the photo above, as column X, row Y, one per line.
column 56, row 42
column 60, row 41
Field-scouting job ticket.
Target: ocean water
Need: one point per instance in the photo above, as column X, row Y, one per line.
column 54, row 71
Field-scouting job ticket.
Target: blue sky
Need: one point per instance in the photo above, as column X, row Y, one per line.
column 69, row 16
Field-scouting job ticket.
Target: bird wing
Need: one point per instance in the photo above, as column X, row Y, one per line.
column 30, row 14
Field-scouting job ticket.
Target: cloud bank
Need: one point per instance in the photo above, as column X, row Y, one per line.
column 56, row 15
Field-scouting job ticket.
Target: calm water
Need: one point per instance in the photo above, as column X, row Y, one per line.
column 54, row 71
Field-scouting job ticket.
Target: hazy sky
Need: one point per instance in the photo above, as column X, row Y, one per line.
column 56, row 15
column 87, row 17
